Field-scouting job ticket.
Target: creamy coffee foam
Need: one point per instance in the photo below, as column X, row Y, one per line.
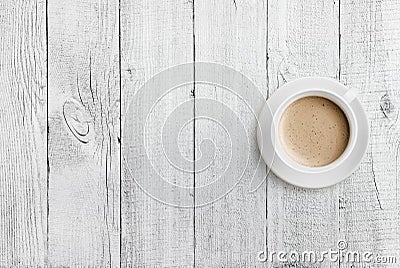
column 314, row 131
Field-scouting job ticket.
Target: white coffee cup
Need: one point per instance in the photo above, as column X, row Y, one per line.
column 281, row 163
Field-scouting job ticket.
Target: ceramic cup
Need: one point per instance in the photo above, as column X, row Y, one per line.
column 283, row 165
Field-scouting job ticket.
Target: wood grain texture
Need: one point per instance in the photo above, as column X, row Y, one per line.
column 78, row 211
column 156, row 35
column 302, row 41
column 370, row 55
column 23, row 172
column 230, row 231
column 84, row 128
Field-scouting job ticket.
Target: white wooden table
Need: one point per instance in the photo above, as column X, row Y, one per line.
column 68, row 70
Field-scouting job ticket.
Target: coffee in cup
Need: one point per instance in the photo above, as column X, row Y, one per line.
column 314, row 131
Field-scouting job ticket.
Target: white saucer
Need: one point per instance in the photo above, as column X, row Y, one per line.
column 292, row 172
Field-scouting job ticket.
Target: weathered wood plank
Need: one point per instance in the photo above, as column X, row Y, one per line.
column 23, row 172
column 84, row 128
column 155, row 35
column 370, row 55
column 302, row 41
column 230, row 231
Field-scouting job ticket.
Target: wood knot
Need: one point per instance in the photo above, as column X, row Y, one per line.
column 78, row 120
column 386, row 105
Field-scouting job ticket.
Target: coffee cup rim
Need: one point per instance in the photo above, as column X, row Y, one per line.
column 335, row 98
